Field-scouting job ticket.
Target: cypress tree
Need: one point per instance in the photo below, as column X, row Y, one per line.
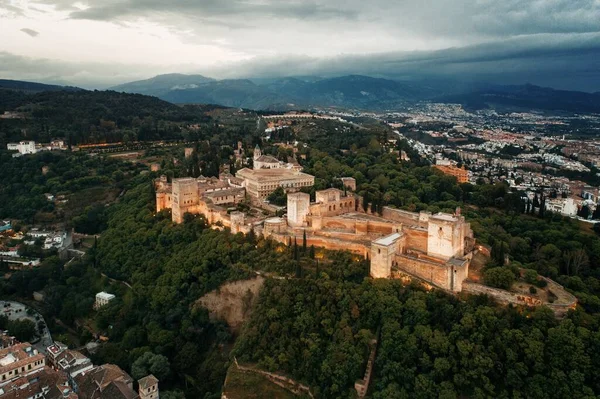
column 295, row 249
column 304, row 242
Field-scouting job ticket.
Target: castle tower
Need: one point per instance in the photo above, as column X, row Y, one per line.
column 257, row 152
column 185, row 196
column 383, row 252
column 160, row 201
column 148, row 387
column 237, row 221
column 445, row 236
column 298, row 205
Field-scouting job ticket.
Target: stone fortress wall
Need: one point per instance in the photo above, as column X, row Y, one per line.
column 435, row 248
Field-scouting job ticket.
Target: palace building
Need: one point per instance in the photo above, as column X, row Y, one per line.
column 260, row 183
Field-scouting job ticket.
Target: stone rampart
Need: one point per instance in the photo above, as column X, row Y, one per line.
column 434, row 273
column 400, row 216
column 560, row 307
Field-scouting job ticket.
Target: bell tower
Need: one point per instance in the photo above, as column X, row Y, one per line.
column 148, row 387
column 257, row 152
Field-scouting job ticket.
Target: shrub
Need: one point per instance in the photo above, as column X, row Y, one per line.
column 532, row 289
column 541, row 283
column 530, row 276
column 499, row 277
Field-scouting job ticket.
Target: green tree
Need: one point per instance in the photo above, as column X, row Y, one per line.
column 150, row 363
column 499, row 277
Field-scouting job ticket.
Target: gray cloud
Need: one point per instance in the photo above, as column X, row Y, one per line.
column 563, row 61
column 86, row 75
column 30, row 32
column 424, row 18
column 106, row 10
column 8, row 10
column 566, row 61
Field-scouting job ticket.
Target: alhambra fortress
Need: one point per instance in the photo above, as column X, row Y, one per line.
column 436, row 248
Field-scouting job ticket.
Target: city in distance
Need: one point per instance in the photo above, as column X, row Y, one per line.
column 289, row 199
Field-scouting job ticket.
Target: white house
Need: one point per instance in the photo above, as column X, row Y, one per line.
column 103, row 298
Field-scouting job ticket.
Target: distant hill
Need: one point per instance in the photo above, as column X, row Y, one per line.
column 162, row 84
column 359, row 91
column 32, row 87
column 95, row 116
column 527, row 97
column 15, row 92
column 240, row 93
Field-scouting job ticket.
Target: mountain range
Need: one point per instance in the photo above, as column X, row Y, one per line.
column 351, row 91
column 357, row 92
column 345, row 92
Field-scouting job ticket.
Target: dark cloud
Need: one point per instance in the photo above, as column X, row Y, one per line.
column 429, row 18
column 567, row 61
column 30, row 32
column 211, row 8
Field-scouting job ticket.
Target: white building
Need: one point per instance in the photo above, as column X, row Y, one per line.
column 103, row 298
column 55, row 240
column 564, row 206
column 23, row 147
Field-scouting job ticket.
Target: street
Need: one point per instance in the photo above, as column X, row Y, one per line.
column 18, row 311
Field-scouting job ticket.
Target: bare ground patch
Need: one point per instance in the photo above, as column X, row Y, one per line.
column 233, row 302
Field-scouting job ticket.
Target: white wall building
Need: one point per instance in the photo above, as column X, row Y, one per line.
column 103, row 298
column 24, row 147
column 564, row 206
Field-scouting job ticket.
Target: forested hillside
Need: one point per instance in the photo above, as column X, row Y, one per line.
column 84, row 117
column 431, row 345
column 77, row 179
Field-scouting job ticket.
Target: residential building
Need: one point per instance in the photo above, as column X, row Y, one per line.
column 462, row 175
column 18, row 360
column 108, row 381
column 5, row 225
column 45, row 383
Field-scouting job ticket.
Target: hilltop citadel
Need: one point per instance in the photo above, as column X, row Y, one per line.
column 437, row 248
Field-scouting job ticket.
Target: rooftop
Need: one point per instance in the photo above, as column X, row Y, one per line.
column 105, row 295
column 148, row 381
column 271, row 174
column 445, row 216
column 267, row 159
column 388, row 240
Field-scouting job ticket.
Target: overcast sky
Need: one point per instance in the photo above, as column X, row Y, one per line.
column 97, row 43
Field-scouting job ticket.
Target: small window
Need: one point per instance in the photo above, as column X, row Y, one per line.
column 378, row 251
